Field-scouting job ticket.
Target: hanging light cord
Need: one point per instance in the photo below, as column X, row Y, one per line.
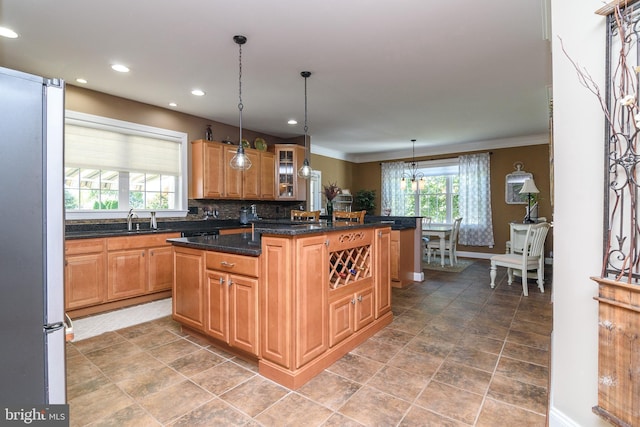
column 240, row 105
column 306, row 127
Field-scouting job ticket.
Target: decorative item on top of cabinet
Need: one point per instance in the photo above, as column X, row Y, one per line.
column 288, row 159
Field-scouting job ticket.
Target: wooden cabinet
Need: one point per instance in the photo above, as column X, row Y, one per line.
column 84, row 273
column 288, row 159
column 267, row 177
column 188, row 287
column 350, row 311
column 138, row 265
column 207, row 170
column 395, row 255
column 320, row 298
column 231, row 304
column 382, row 243
column 107, row 273
column 213, row 178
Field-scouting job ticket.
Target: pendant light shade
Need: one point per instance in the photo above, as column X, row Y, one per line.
column 305, row 170
column 240, row 160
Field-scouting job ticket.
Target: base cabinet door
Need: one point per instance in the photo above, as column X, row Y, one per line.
column 127, row 274
column 350, row 313
column 383, row 272
column 188, row 287
column 84, row 278
column 217, row 307
column 395, row 255
column 243, row 313
column 160, row 269
column 341, row 319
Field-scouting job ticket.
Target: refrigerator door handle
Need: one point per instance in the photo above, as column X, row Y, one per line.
column 52, row 327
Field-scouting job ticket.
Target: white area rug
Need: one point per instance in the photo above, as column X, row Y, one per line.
column 92, row 326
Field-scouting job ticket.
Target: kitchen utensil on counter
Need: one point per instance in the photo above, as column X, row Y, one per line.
column 244, row 215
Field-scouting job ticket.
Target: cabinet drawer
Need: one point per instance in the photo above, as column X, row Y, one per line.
column 239, row 264
column 83, row 246
column 145, row 241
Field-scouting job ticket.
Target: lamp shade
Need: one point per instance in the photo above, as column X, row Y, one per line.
column 529, row 187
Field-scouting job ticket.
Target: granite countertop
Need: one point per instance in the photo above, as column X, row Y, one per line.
column 114, row 229
column 249, row 243
column 239, row 243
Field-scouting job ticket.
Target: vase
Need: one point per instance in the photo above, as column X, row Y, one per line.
column 330, row 209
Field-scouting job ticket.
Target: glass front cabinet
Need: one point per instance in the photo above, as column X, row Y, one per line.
column 289, row 159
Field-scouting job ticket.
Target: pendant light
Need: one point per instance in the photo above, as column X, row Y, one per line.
column 415, row 176
column 240, row 160
column 305, row 170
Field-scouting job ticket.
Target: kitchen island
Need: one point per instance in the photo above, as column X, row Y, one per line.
column 295, row 297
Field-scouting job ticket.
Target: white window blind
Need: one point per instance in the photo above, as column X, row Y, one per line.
column 88, row 147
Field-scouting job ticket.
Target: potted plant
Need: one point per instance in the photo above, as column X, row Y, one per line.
column 365, row 200
column 330, row 192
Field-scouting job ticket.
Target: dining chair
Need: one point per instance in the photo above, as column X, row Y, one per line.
column 298, row 215
column 355, row 216
column 450, row 244
column 531, row 258
column 426, row 222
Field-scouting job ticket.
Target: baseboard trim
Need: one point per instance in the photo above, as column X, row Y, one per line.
column 558, row 418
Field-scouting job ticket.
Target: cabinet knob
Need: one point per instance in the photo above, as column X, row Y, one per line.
column 353, row 301
column 230, row 282
column 379, row 233
column 360, row 298
column 221, row 281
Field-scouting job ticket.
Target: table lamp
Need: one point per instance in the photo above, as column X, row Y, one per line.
column 529, row 188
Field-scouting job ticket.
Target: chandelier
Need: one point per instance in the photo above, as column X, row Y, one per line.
column 240, row 160
column 414, row 175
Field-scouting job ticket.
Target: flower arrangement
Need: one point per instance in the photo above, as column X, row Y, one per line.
column 331, row 191
column 619, row 103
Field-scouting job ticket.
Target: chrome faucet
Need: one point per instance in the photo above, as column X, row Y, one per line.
column 130, row 217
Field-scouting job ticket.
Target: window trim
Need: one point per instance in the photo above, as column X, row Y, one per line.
column 182, row 189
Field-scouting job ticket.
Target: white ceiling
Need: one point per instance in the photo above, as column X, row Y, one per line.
column 454, row 75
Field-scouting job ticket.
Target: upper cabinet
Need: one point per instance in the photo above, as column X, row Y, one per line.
column 213, row 178
column 289, row 159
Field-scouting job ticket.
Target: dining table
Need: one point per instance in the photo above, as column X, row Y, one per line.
column 441, row 232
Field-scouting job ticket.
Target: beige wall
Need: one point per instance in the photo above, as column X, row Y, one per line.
column 535, row 159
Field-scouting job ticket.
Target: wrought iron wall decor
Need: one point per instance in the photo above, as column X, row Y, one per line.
column 622, row 180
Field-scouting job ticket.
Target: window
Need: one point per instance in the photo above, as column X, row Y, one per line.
column 439, row 198
column 112, row 166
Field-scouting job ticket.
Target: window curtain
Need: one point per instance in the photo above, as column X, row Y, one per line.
column 475, row 200
column 392, row 197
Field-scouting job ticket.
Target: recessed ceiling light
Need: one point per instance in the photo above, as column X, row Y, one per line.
column 173, row 104
column 7, row 32
column 197, row 92
column 83, row 81
column 120, row 68
column 292, row 122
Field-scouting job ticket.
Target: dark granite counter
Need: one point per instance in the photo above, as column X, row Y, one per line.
column 113, row 229
column 249, row 243
column 239, row 243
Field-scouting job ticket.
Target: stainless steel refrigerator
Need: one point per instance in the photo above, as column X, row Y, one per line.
column 32, row 350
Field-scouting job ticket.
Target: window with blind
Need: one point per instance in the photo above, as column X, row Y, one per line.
column 112, row 166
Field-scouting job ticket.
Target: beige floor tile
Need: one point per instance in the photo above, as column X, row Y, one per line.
column 474, row 358
column 174, row 350
column 175, row 401
column 526, row 354
column 424, row 418
column 254, row 396
column 523, row 371
column 450, row 402
column 417, row 362
column 399, row 383
column 150, row 381
column 501, row 414
column 222, row 378
column 463, row 377
column 329, row 389
column 97, row 404
column 339, row 420
column 527, row 396
column 196, row 362
column 292, row 411
column 131, row 416
column 216, row 412
column 355, row 368
column 374, row 408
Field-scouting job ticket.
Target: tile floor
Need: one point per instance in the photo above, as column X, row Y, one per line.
column 457, row 353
